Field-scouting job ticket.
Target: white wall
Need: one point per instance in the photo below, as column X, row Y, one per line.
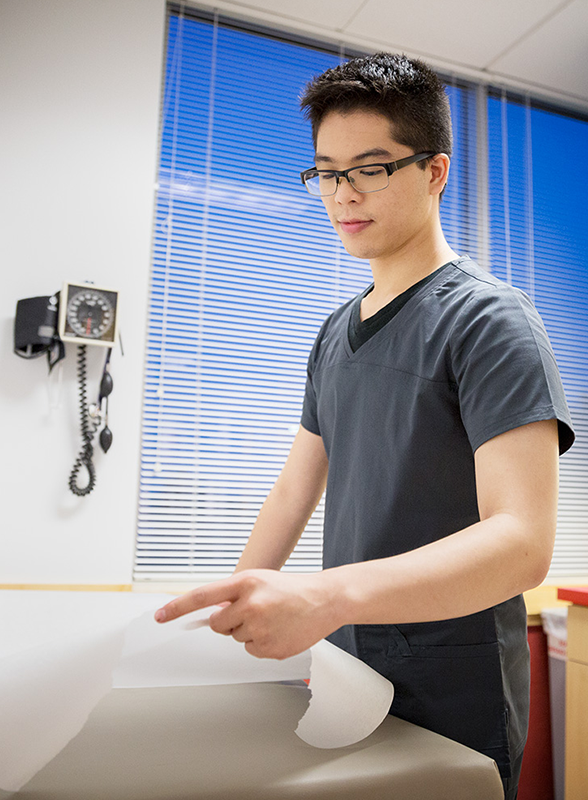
column 80, row 87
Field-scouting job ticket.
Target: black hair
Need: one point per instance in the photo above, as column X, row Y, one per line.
column 404, row 90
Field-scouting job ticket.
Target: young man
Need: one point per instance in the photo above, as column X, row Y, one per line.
column 433, row 414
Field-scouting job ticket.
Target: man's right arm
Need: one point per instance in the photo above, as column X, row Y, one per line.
column 289, row 505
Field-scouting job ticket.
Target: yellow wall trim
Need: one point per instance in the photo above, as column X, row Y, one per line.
column 544, row 596
column 70, row 587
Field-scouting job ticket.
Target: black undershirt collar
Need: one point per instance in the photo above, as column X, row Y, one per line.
column 360, row 331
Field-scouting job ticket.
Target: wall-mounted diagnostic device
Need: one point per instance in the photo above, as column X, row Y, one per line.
column 87, row 314
column 83, row 314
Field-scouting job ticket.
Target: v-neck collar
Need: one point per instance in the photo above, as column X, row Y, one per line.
column 388, row 313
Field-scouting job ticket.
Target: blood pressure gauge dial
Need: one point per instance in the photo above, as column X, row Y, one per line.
column 88, row 313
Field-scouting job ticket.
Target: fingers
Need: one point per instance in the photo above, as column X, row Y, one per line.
column 227, row 619
column 240, row 634
column 265, row 650
column 210, row 595
column 252, row 649
column 251, row 610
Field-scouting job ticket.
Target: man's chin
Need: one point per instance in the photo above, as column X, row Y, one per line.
column 363, row 253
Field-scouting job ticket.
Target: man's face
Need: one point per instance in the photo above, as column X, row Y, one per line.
column 382, row 224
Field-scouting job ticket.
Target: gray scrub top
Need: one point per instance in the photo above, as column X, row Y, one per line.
column 465, row 359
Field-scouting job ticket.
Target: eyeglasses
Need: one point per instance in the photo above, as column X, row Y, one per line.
column 365, row 179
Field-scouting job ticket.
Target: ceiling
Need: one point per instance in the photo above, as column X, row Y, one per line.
column 538, row 46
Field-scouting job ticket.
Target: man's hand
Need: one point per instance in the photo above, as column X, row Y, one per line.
column 276, row 615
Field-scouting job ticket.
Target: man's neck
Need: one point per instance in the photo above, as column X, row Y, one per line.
column 394, row 275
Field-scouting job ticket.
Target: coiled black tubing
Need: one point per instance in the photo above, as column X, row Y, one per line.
column 88, row 430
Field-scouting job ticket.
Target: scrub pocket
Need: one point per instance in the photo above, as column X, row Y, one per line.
column 452, row 689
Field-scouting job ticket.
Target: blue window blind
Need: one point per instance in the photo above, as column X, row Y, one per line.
column 245, row 269
column 539, row 242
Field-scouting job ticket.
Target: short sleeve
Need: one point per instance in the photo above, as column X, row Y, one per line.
column 309, row 418
column 505, row 368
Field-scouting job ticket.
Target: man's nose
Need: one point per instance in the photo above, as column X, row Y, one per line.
column 346, row 191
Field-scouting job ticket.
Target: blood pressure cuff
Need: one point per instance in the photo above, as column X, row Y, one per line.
column 35, row 329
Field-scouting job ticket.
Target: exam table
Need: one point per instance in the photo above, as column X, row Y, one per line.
column 231, row 743
column 237, row 742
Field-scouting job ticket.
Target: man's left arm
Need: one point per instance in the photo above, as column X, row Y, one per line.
column 507, row 552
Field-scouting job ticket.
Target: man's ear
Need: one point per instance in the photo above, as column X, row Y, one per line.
column 439, row 166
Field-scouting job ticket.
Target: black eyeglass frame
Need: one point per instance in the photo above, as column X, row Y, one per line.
column 390, row 167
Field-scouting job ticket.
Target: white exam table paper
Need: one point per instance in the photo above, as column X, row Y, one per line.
column 48, row 691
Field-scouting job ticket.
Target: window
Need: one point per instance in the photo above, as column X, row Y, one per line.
column 539, row 242
column 246, row 267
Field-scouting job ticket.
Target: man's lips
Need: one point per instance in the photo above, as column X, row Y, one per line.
column 354, row 225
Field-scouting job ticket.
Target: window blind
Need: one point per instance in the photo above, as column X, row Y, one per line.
column 245, row 269
column 539, row 242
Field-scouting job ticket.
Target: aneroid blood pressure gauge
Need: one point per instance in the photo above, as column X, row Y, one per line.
column 88, row 314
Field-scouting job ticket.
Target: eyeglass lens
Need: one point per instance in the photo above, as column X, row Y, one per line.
column 363, row 179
